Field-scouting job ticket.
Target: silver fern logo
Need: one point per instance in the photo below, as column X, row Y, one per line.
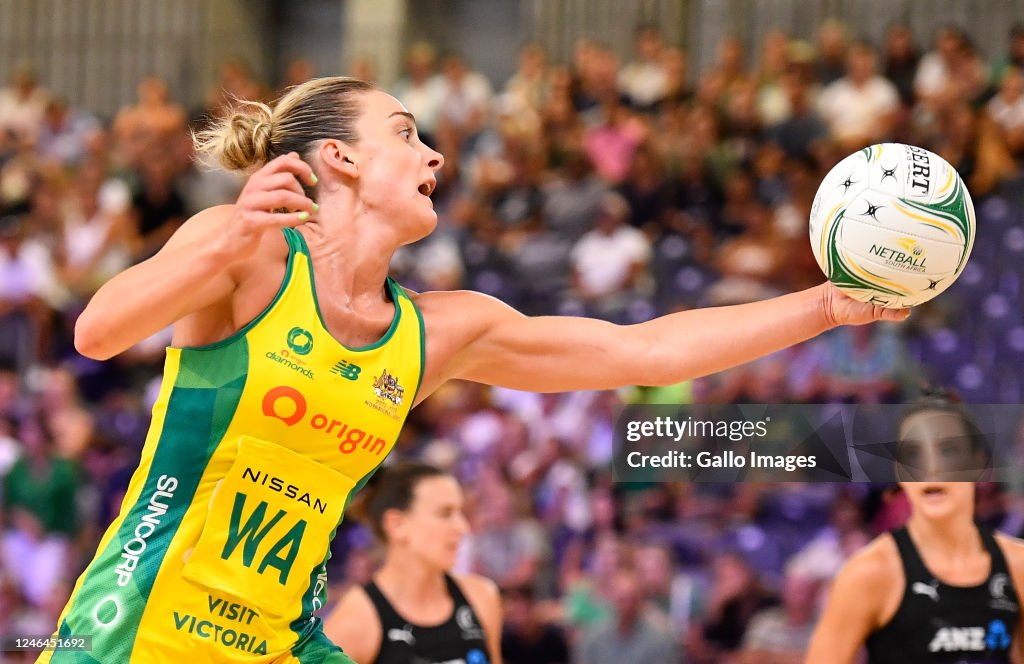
column 464, row 619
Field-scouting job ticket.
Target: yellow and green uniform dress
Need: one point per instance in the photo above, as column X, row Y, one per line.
column 258, row 443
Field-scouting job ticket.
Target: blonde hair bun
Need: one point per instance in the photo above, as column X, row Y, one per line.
column 242, row 141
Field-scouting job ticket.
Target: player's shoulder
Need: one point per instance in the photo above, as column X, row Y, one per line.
column 875, row 566
column 481, row 592
column 870, row 583
column 355, row 626
column 476, row 584
column 205, row 223
column 485, row 598
column 461, row 315
column 357, row 596
column 1013, row 550
column 459, row 299
column 355, row 603
column 214, row 216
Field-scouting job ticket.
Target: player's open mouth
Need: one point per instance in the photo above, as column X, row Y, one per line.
column 428, row 187
column 934, row 491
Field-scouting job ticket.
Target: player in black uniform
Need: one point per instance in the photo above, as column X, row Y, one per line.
column 941, row 590
column 413, row 611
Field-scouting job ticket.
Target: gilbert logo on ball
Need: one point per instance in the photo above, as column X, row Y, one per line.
column 892, row 225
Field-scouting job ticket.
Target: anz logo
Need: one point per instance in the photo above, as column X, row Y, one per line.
column 972, row 639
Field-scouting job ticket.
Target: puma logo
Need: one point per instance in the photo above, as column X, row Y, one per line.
column 404, row 634
column 929, row 590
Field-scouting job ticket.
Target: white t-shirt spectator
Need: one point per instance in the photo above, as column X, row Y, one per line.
column 932, row 75
column 30, row 272
column 22, row 116
column 604, row 262
column 852, row 111
column 10, row 451
column 645, row 83
column 467, row 100
column 86, row 240
column 423, row 100
column 1009, row 115
column 66, row 144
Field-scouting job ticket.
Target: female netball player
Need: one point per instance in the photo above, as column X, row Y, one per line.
column 942, row 589
column 413, row 611
column 295, row 361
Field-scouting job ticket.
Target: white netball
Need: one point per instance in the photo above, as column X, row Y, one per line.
column 893, row 225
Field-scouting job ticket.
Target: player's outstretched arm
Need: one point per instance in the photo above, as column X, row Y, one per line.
column 494, row 344
column 197, row 267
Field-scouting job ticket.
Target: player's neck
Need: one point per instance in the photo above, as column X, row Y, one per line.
column 405, row 576
column 351, row 255
column 954, row 536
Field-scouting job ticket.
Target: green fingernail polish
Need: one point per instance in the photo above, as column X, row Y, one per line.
column 314, row 178
column 316, row 208
column 303, row 216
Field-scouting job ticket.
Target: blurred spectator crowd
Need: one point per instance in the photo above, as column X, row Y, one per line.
column 618, row 188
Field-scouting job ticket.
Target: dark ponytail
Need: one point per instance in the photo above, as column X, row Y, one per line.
column 391, row 488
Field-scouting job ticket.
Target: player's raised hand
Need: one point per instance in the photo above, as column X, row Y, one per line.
column 271, row 199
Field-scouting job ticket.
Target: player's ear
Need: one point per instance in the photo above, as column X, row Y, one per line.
column 339, row 157
column 391, row 523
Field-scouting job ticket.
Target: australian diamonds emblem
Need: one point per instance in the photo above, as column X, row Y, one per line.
column 387, row 387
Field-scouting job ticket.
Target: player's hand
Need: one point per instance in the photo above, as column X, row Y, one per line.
column 841, row 309
column 271, row 199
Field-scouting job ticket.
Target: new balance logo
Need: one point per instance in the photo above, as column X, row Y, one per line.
column 346, row 370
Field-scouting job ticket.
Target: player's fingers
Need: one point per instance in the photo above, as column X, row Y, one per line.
column 270, row 220
column 291, row 163
column 278, row 199
column 280, row 181
column 893, row 314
